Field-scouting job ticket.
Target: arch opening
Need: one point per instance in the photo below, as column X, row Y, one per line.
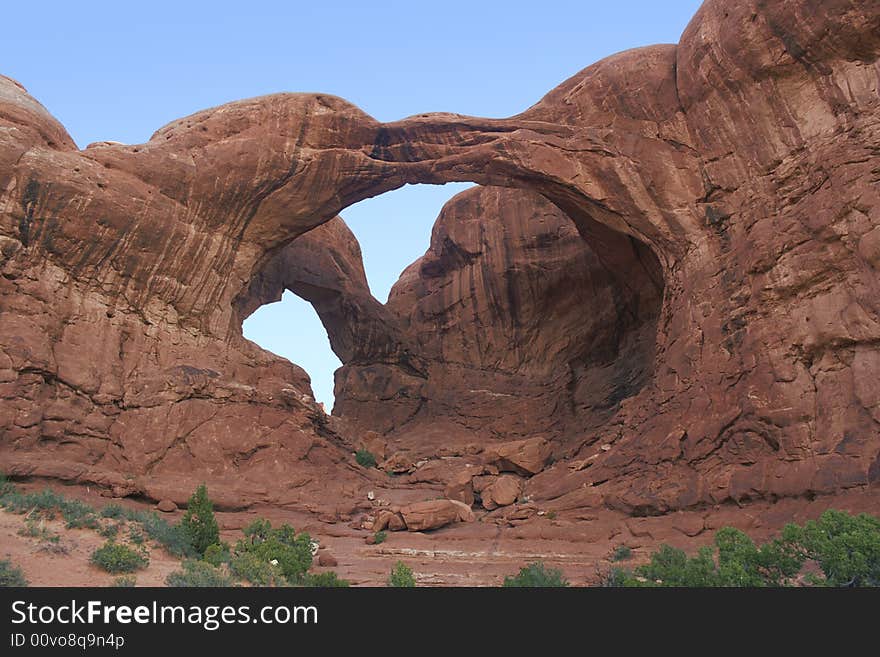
column 522, row 317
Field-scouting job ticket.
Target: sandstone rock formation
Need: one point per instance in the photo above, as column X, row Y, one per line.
column 715, row 337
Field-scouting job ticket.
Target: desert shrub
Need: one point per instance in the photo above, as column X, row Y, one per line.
column 173, row 538
column 621, row 553
column 365, row 458
column 114, row 511
column 110, row 530
column 11, row 575
column 401, row 576
column 118, row 558
column 846, row 547
column 136, row 535
column 254, row 569
column 198, row 523
column 380, row 537
column 198, row 574
column 6, row 486
column 217, row 554
column 47, row 504
column 292, row 552
column 671, row 567
column 32, row 528
column 615, row 577
column 125, row 581
column 328, row 579
column 536, row 575
column 78, row 514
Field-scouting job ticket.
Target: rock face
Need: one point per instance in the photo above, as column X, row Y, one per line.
column 433, row 514
column 681, row 292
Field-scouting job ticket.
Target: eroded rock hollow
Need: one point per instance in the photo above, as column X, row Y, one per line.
column 670, row 272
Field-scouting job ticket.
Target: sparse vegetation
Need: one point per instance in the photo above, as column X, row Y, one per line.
column 327, row 580
column 118, row 558
column 114, row 511
column 401, row 576
column 380, row 537
column 46, row 504
column 173, row 538
column 252, row 568
column 199, row 524
column 846, row 548
column 536, row 575
column 266, row 556
column 198, row 574
column 11, row 575
column 285, row 551
column 217, row 554
column 365, row 458
column 109, row 530
column 36, row 528
column 125, row 581
column 621, row 553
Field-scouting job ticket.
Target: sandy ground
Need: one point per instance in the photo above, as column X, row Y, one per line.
column 481, row 553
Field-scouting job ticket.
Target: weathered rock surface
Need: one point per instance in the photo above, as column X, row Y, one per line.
column 502, row 491
column 433, row 514
column 726, row 189
column 166, row 506
column 526, row 457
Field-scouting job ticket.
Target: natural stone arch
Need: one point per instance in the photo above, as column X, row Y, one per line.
column 741, row 157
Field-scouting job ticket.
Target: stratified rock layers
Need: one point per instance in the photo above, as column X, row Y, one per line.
column 519, row 328
column 738, row 170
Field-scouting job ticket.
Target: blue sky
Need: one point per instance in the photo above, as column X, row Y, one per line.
column 119, row 70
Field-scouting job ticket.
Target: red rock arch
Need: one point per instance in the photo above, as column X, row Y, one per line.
column 742, row 158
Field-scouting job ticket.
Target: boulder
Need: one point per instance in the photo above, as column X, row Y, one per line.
column 433, row 514
column 503, row 491
column 326, row 560
column 397, row 463
column 526, row 457
column 461, row 487
column 388, row 519
column 166, row 506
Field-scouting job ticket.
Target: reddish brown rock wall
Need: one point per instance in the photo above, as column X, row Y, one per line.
column 744, row 159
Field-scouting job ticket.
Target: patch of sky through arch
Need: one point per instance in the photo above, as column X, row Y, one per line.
column 393, row 229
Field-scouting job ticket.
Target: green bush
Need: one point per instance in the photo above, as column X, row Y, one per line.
column 174, row 538
column 118, row 558
column 328, row 580
column 114, row 511
column 621, row 553
column 291, row 551
column 846, row 547
column 401, row 576
column 615, row 577
column 125, row 581
column 78, row 515
column 11, row 575
column 47, row 504
column 536, row 575
column 255, row 569
column 379, row 537
column 199, row 523
column 198, row 574
column 217, row 554
column 365, row 458
column 110, row 530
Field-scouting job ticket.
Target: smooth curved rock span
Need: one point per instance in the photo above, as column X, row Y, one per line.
column 739, row 168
